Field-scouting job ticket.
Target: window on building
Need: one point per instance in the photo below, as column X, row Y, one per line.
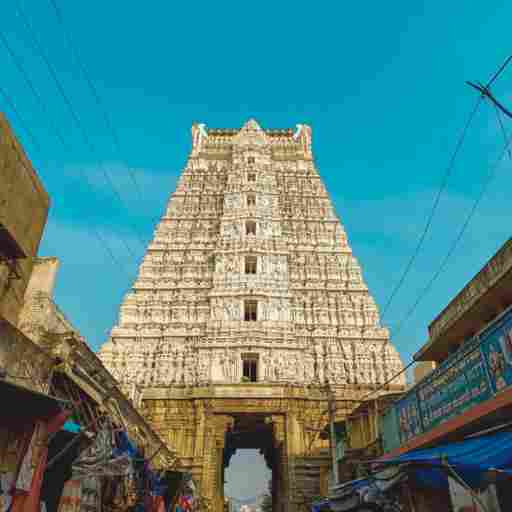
column 251, row 264
column 251, row 310
column 250, row 227
column 251, row 200
column 250, row 367
column 250, row 160
column 251, row 177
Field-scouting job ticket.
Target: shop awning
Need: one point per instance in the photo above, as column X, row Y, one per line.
column 22, row 405
column 320, row 506
column 472, row 459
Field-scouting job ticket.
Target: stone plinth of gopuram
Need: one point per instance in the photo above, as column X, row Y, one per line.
column 250, row 276
column 197, row 421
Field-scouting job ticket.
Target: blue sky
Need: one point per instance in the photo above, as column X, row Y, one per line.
column 382, row 85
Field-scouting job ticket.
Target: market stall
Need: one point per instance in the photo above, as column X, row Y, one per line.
column 25, row 433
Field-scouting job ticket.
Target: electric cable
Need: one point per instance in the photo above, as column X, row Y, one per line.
column 437, row 199
column 9, row 101
column 442, row 187
column 76, row 120
column 502, row 128
column 94, row 91
column 31, row 86
column 455, row 243
column 446, row 259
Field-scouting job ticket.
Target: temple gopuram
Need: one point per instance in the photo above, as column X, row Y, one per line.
column 248, row 311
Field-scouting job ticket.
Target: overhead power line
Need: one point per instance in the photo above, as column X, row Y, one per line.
column 76, row 120
column 455, row 243
column 446, row 259
column 35, row 142
column 30, row 84
column 437, row 199
column 94, row 91
column 442, row 187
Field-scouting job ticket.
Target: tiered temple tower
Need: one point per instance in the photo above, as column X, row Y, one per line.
column 247, row 305
column 250, row 274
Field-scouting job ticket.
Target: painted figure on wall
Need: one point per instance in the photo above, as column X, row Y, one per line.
column 497, row 367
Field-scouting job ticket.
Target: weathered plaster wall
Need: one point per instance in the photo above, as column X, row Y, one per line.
column 24, row 207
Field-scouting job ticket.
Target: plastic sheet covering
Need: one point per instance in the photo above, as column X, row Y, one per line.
column 472, row 459
column 125, row 446
column 99, row 458
column 320, row 506
column 71, row 426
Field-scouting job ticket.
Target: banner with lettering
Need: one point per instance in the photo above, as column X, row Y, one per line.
column 454, row 387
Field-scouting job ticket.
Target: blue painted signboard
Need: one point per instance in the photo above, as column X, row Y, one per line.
column 481, row 368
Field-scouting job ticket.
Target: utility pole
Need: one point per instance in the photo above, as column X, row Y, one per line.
column 332, row 415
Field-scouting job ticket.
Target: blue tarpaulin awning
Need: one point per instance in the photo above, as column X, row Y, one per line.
column 320, row 506
column 471, row 458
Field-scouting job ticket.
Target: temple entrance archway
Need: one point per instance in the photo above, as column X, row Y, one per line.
column 256, row 432
column 207, row 425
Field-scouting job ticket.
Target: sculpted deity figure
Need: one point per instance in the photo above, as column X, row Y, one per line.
column 280, row 310
column 309, row 369
column 204, row 366
column 330, row 371
column 225, row 365
column 278, row 368
column 217, row 311
column 233, row 365
column 289, row 368
column 179, row 367
column 230, row 263
column 266, row 359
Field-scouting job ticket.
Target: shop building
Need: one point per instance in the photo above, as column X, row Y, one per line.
column 69, row 438
column 445, row 444
column 460, row 413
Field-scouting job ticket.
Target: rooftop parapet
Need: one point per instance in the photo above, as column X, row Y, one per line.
column 487, row 295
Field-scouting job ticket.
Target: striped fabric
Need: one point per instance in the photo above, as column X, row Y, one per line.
column 71, row 497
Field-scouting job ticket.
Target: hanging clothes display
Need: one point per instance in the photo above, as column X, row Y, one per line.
column 29, row 462
column 173, row 483
column 91, row 494
column 71, row 498
column 20, row 448
column 59, row 473
column 28, row 500
column 102, row 458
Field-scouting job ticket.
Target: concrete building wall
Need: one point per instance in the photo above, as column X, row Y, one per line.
column 44, row 274
column 24, row 205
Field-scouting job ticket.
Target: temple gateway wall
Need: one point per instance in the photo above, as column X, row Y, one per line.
column 250, row 258
column 247, row 305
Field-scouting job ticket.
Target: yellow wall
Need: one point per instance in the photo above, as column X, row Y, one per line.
column 362, row 428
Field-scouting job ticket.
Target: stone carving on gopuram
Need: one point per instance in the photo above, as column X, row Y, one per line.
column 249, row 301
